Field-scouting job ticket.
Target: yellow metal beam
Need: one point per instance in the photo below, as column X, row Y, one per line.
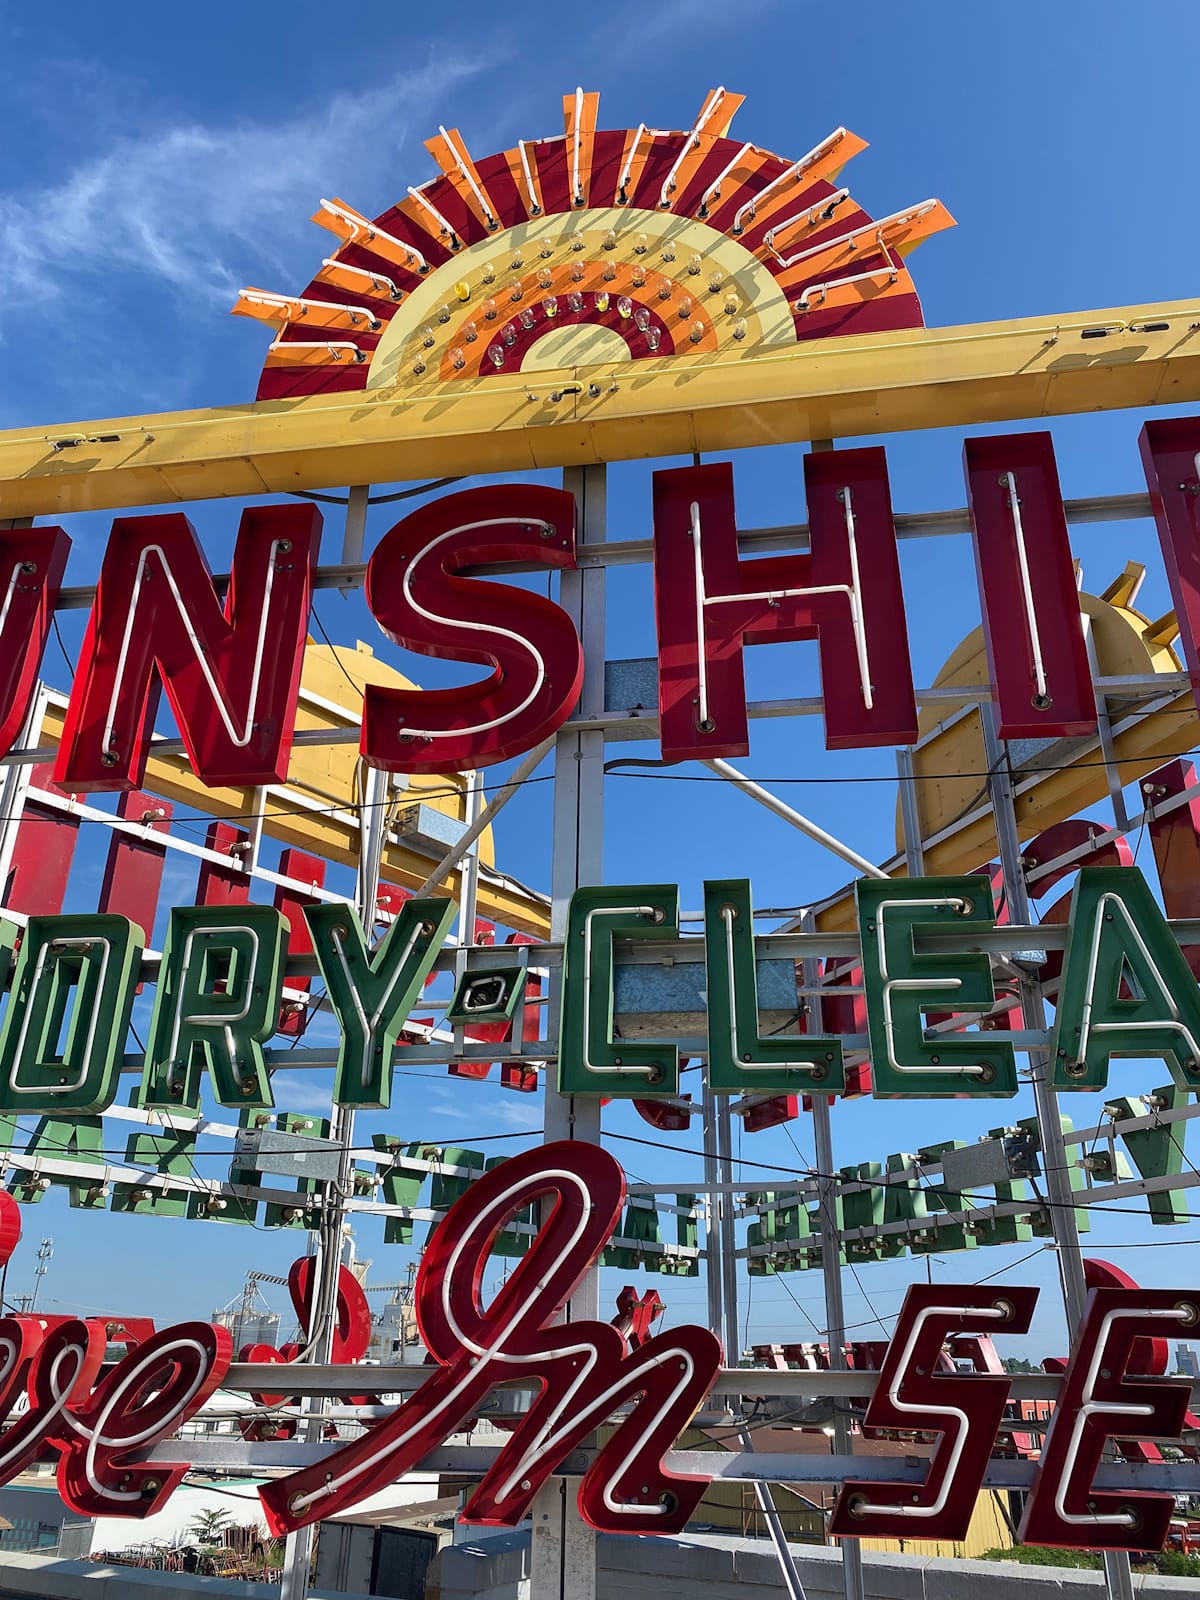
column 1130, row 356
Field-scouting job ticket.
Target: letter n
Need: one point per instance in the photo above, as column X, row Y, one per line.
column 231, row 672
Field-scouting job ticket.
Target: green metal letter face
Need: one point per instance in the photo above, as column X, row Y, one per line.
column 85, row 967
column 1126, row 988
column 589, row 1061
column 217, row 1000
column 739, row 1061
column 902, row 984
column 372, row 993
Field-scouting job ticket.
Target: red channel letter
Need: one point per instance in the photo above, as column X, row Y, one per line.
column 147, row 1397
column 1171, row 459
column 32, row 562
column 1031, row 620
column 585, row 1369
column 1099, row 1402
column 418, row 594
column 845, row 594
column 231, row 674
column 965, row 1411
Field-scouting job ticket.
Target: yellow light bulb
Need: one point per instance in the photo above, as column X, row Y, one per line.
column 462, row 289
column 602, row 300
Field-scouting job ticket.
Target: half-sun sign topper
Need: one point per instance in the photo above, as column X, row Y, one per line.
column 592, row 250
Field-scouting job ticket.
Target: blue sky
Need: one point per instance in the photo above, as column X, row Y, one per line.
column 157, row 160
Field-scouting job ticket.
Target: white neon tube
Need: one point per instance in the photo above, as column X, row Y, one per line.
column 1035, row 638
column 794, row 171
column 1111, row 1408
column 463, row 166
column 242, row 739
column 93, row 1020
column 901, row 985
column 926, row 1409
column 534, row 207
column 690, row 144
column 1087, row 1026
column 604, row 911
column 629, row 159
column 576, row 186
column 472, row 627
column 443, row 225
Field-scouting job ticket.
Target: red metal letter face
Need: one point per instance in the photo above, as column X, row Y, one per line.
column 1171, row 459
column 32, row 561
column 845, row 594
column 584, row 1370
column 419, row 597
column 965, row 1411
column 147, row 1396
column 1031, row 620
column 231, row 674
column 1099, row 1402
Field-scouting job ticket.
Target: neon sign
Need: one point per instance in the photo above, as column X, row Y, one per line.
column 104, row 1425
column 231, row 668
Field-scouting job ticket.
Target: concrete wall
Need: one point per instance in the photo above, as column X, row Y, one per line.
column 23, row 1577
column 735, row 1569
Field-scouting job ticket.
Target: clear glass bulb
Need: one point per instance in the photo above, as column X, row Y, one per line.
column 624, row 307
column 443, row 314
column 577, row 243
column 685, row 306
column 694, row 265
column 516, row 261
column 602, row 301
column 489, row 309
column 697, row 333
column 609, row 272
column 640, row 245
column 545, row 278
column 652, row 338
column 575, row 301
column 496, row 354
column 610, row 239
column 487, row 272
column 457, row 360
column 470, row 332
column 639, row 277
column 550, row 306
column 664, row 291
column 739, row 328
column 425, row 334
column 463, row 290
column 527, row 318
column 419, row 365
column 509, row 333
column 547, row 250
column 577, row 270
column 716, row 282
column 732, row 303
column 518, row 291
column 668, row 251
column 641, row 319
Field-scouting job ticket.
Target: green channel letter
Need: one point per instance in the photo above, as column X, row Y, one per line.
column 217, row 1002
column 1156, row 1152
column 901, row 985
column 64, row 1031
column 372, row 992
column 590, row 1061
column 1126, row 988
column 740, row 1061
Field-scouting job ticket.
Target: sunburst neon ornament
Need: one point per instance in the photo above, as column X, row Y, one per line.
column 719, row 250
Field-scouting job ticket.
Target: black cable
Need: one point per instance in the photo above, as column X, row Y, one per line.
column 379, row 499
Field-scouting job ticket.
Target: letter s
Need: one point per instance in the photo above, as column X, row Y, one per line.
column 418, row 596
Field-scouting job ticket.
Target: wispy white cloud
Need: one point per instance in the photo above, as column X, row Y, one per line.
column 301, row 1091
column 487, row 1114
column 195, row 206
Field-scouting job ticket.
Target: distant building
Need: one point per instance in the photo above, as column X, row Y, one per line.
column 249, row 1327
column 1186, row 1361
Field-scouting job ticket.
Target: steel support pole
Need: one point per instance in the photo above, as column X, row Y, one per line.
column 831, row 1267
column 1055, row 1160
column 297, row 1556
column 563, row 1547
